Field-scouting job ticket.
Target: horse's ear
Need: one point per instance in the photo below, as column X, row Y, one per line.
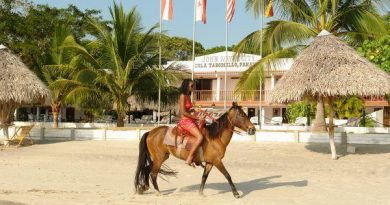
column 234, row 104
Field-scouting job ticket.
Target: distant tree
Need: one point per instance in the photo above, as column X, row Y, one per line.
column 377, row 51
column 217, row 49
column 27, row 29
column 179, row 48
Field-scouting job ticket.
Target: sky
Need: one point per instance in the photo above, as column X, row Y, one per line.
column 209, row 35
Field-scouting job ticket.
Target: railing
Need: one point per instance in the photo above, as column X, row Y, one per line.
column 246, row 95
column 214, row 96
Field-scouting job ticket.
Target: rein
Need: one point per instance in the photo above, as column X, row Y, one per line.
column 208, row 115
column 232, row 124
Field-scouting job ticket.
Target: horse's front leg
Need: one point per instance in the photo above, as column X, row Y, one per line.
column 223, row 170
column 206, row 172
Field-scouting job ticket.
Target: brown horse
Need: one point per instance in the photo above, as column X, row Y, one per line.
column 152, row 151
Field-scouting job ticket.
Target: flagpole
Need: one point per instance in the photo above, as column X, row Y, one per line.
column 226, row 56
column 159, row 67
column 261, row 56
column 193, row 41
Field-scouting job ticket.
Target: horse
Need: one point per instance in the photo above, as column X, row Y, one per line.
column 152, row 151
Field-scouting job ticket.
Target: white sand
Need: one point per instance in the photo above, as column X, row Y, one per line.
column 102, row 172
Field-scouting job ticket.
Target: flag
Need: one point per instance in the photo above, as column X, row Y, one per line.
column 201, row 10
column 231, row 7
column 167, row 9
column 269, row 11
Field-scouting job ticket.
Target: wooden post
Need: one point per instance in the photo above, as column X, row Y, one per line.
column 331, row 129
column 72, row 134
column 344, row 142
column 42, row 137
column 296, row 136
column 104, row 137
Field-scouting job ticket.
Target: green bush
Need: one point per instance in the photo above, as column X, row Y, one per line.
column 300, row 109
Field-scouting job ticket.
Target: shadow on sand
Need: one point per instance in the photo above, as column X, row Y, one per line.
column 246, row 187
column 9, row 203
column 324, row 148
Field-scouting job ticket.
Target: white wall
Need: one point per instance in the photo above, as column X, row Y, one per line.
column 41, row 133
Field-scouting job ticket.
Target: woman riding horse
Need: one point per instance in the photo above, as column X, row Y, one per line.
column 187, row 120
column 153, row 152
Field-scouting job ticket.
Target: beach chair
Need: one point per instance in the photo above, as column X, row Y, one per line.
column 21, row 134
column 276, row 121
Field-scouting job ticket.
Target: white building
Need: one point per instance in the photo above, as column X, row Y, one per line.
column 209, row 73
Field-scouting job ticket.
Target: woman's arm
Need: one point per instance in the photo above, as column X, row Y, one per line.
column 182, row 108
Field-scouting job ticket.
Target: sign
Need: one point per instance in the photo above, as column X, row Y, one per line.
column 220, row 60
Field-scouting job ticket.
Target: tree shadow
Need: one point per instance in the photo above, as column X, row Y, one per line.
column 248, row 186
column 361, row 149
column 10, row 203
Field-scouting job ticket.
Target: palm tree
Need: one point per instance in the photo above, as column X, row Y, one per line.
column 120, row 63
column 61, row 65
column 301, row 20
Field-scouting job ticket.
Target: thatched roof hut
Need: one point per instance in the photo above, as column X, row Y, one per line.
column 18, row 86
column 329, row 68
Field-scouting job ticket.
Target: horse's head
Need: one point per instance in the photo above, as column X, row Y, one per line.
column 238, row 118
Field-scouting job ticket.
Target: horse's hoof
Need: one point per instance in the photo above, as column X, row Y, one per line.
column 201, row 194
column 237, row 196
column 158, row 193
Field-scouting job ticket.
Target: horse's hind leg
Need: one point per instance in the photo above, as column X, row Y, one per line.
column 155, row 170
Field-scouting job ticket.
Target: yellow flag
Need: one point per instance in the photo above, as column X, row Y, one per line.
column 269, row 11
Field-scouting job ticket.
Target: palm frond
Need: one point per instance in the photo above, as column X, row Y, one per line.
column 282, row 33
column 358, row 19
column 254, row 75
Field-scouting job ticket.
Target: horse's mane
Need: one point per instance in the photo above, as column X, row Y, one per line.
column 215, row 129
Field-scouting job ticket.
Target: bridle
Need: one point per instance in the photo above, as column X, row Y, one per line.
column 231, row 122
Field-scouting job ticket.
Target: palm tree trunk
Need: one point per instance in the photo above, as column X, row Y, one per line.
column 4, row 126
column 319, row 124
column 56, row 108
column 331, row 129
column 120, row 121
column 6, row 111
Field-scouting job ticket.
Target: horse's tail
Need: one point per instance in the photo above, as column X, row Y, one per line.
column 141, row 181
column 144, row 167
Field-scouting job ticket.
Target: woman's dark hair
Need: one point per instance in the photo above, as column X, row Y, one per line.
column 184, row 87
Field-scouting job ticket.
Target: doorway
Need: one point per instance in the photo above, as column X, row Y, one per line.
column 251, row 112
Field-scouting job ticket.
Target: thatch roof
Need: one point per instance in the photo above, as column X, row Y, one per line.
column 18, row 84
column 329, row 67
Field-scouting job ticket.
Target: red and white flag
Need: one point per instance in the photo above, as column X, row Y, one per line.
column 167, row 9
column 231, row 7
column 201, row 10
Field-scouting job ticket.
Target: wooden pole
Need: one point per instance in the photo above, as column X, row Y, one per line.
column 331, row 128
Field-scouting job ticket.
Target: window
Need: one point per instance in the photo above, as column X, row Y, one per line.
column 275, row 112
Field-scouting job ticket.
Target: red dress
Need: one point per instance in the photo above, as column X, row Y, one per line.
column 187, row 123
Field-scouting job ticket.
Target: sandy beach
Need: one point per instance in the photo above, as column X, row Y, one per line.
column 102, row 172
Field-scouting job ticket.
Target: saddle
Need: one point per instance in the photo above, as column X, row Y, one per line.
column 180, row 138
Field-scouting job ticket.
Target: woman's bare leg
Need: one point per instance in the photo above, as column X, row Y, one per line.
column 199, row 137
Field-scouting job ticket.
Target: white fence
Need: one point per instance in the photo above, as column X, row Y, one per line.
column 354, row 135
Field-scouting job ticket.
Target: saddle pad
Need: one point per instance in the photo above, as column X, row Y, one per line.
column 183, row 142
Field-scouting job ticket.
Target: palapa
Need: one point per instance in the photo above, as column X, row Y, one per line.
column 18, row 86
column 329, row 68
